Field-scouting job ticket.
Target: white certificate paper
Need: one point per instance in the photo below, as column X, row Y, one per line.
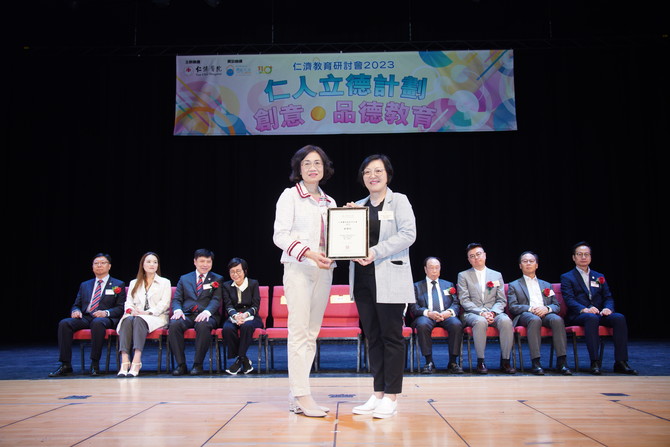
column 347, row 236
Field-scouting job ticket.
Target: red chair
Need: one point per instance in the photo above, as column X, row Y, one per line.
column 437, row 334
column 84, row 335
column 278, row 333
column 259, row 334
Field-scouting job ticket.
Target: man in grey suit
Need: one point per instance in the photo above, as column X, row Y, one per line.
column 436, row 306
column 533, row 304
column 481, row 292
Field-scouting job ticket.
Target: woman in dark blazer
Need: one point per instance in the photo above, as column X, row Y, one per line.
column 241, row 301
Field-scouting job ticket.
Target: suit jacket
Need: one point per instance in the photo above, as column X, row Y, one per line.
column 470, row 294
column 576, row 294
column 251, row 298
column 518, row 297
column 186, row 299
column 156, row 300
column 393, row 272
column 110, row 300
column 422, row 295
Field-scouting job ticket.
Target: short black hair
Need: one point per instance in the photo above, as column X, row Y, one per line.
column 203, row 253
column 581, row 244
column 239, row 261
column 369, row 159
column 299, row 156
column 472, row 245
column 103, row 255
column 528, row 252
column 425, row 261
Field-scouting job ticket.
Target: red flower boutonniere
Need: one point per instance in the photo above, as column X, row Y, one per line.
column 546, row 292
column 601, row 279
column 117, row 290
column 129, row 311
column 215, row 285
column 489, row 285
column 452, row 290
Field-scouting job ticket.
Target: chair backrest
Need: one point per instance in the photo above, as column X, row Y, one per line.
column 556, row 287
column 265, row 300
column 279, row 307
column 341, row 310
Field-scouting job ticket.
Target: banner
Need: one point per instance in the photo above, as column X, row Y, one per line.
column 345, row 93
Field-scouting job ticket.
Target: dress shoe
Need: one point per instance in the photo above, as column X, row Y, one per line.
column 63, row 370
column 180, row 370
column 481, row 368
column 428, row 368
column 95, row 369
column 196, row 370
column 536, row 369
column 507, row 368
column 134, row 369
column 293, row 407
column 235, row 367
column 123, row 371
column 595, row 368
column 563, row 369
column 454, row 368
column 623, row 368
column 385, row 409
column 247, row 367
column 368, row 407
column 308, row 407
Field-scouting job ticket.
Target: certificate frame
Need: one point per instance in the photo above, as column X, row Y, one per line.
column 348, row 233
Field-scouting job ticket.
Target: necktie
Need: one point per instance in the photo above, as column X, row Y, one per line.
column 96, row 296
column 198, row 285
column 436, row 297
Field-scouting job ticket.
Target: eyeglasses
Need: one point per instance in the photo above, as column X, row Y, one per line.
column 309, row 163
column 583, row 255
column 236, row 272
column 99, row 263
column 479, row 254
column 377, row 172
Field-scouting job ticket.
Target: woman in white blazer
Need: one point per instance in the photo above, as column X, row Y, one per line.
column 382, row 283
column 145, row 310
column 300, row 231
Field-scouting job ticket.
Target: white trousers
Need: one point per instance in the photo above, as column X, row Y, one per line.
column 307, row 290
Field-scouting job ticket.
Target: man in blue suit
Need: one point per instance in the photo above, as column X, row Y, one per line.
column 196, row 304
column 436, row 305
column 590, row 304
column 98, row 307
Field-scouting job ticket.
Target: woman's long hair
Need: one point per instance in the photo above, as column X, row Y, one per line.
column 142, row 275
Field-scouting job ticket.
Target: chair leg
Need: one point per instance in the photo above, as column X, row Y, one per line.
column 574, row 350
column 551, row 354
column 160, row 355
column 469, row 354
column 81, row 351
column 258, row 371
column 601, row 354
column 518, row 346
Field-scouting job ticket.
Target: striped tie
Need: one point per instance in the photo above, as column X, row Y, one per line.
column 198, row 285
column 96, row 296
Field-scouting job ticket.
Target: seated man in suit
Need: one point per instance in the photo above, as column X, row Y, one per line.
column 533, row 304
column 590, row 304
column 436, row 305
column 196, row 304
column 481, row 293
column 98, row 307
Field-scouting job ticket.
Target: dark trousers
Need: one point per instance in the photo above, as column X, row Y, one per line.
column 382, row 327
column 203, row 337
column 69, row 326
column 238, row 338
column 424, row 326
column 590, row 322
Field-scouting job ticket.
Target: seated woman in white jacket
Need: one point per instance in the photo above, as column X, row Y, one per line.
column 146, row 309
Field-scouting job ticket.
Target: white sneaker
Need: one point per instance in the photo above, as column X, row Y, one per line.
column 368, row 407
column 385, row 409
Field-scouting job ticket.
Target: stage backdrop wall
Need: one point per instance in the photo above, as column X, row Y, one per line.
column 93, row 166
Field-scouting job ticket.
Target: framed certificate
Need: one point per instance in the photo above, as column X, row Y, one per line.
column 348, row 233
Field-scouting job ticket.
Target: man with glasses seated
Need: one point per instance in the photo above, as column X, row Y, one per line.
column 590, row 304
column 481, row 292
column 98, row 307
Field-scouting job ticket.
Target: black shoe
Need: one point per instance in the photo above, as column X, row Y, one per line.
column 623, row 368
column 562, row 368
column 180, row 371
column 95, row 369
column 236, row 367
column 247, row 367
column 595, row 368
column 454, row 368
column 481, row 368
column 63, row 370
column 196, row 370
column 536, row 369
column 507, row 368
column 428, row 368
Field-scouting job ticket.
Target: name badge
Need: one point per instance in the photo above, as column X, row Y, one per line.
column 385, row 215
column 207, row 286
column 109, row 291
column 595, row 284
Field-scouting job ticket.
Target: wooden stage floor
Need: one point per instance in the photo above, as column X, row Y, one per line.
column 252, row 411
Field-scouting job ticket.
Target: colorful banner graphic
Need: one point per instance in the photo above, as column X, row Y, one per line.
column 345, row 93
